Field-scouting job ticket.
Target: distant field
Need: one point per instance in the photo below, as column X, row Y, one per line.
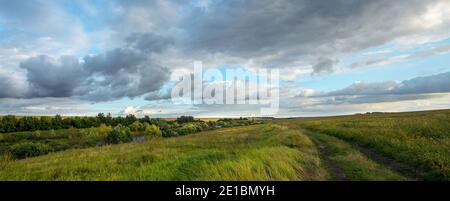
column 203, row 119
column 372, row 147
column 208, row 118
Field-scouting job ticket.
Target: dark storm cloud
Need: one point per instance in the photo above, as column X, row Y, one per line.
column 48, row 79
column 147, row 77
column 363, row 88
column 121, row 72
column 112, row 61
column 298, row 28
column 276, row 32
column 152, row 78
column 125, row 72
column 439, row 83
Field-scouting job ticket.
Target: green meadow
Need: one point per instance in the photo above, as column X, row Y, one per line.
column 368, row 147
column 418, row 143
column 261, row 152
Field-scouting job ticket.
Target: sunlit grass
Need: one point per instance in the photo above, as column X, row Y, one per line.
column 356, row 165
column 260, row 152
column 418, row 139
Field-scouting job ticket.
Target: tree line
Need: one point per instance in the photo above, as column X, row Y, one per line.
column 11, row 123
column 42, row 135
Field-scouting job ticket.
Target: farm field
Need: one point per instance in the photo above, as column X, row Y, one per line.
column 369, row 147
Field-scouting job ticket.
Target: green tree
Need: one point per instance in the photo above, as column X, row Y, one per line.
column 137, row 126
column 45, row 123
column 119, row 134
column 104, row 129
column 153, row 131
column 57, row 122
column 185, row 119
column 129, row 119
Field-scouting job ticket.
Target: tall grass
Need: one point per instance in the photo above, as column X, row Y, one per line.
column 259, row 152
column 355, row 164
column 420, row 140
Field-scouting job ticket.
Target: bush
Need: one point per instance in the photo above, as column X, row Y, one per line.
column 58, row 145
column 153, row 131
column 29, row 149
column 119, row 134
column 92, row 135
column 103, row 129
column 188, row 129
column 52, row 134
column 137, row 126
column 169, row 132
column 34, row 135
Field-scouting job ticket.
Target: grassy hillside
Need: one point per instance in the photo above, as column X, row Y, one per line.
column 261, row 152
column 420, row 140
column 395, row 146
column 354, row 164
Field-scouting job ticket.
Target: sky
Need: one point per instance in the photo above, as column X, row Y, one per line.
column 81, row 57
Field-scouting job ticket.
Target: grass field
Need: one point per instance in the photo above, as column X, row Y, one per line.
column 58, row 140
column 373, row 147
column 419, row 141
column 262, row 152
column 353, row 164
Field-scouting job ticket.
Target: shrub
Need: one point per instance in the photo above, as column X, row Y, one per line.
column 188, row 128
column 203, row 126
column 52, row 134
column 29, row 149
column 137, row 126
column 153, row 131
column 34, row 135
column 104, row 129
column 169, row 132
column 58, row 145
column 144, row 125
column 119, row 134
column 90, row 136
column 95, row 134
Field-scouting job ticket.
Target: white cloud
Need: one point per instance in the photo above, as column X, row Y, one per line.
column 130, row 110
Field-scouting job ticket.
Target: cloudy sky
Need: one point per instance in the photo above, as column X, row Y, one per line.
column 81, row 57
